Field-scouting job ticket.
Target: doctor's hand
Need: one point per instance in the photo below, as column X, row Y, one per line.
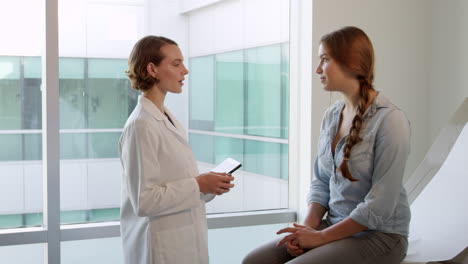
column 217, row 183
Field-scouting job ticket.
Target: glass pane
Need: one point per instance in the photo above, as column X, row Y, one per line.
column 73, row 146
column 23, row 254
column 95, row 101
column 103, row 145
column 100, row 215
column 264, row 91
column 73, row 217
column 32, row 146
column 11, row 149
column 202, row 147
column 229, row 148
column 284, row 161
column 243, row 239
column 263, row 158
column 230, row 92
column 10, row 90
column 202, row 93
column 20, row 114
column 72, row 93
column 11, row 221
column 32, row 118
column 107, row 100
column 285, row 90
column 92, row 251
column 250, row 94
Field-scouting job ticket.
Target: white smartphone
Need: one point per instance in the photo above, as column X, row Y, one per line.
column 229, row 165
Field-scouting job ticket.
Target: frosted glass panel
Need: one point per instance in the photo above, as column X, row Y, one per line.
column 229, row 148
column 72, row 93
column 24, row 254
column 264, row 91
column 9, row 68
column 285, row 90
column 20, row 121
column 103, row 145
column 230, row 245
column 202, row 93
column 230, row 93
column 95, row 101
column 108, row 104
column 202, row 147
column 10, row 91
column 263, row 158
column 92, row 251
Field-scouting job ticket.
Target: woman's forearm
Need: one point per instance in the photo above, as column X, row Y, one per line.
column 315, row 215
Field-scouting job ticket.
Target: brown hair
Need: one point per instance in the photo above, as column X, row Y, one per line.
column 352, row 50
column 146, row 50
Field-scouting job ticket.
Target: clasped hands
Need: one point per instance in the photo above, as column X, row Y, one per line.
column 301, row 237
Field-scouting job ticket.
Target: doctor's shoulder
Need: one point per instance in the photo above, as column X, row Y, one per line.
column 141, row 122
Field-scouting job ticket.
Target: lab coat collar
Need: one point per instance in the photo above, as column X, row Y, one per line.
column 151, row 108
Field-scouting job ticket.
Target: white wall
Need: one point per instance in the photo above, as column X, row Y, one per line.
column 99, row 28
column 400, row 33
column 237, row 24
column 449, row 65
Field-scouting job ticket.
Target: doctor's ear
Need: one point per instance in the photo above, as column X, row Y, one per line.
column 152, row 70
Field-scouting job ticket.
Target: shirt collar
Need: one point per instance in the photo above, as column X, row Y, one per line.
column 380, row 101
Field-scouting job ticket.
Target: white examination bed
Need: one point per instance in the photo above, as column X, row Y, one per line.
column 438, row 193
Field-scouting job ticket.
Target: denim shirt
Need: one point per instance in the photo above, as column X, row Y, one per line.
column 378, row 199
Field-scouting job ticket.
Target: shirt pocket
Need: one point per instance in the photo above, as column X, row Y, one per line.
column 176, row 245
column 362, row 156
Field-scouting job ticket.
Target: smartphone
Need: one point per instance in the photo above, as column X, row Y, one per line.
column 229, row 165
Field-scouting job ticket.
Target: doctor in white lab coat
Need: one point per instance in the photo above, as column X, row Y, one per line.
column 163, row 196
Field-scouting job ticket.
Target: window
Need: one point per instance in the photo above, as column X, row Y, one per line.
column 235, row 104
column 95, row 101
column 20, row 115
column 239, row 109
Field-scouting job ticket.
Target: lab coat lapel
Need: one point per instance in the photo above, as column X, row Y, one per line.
column 176, row 129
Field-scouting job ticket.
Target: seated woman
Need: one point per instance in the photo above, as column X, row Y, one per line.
column 362, row 152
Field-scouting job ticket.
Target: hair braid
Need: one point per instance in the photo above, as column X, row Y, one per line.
column 352, row 50
column 353, row 137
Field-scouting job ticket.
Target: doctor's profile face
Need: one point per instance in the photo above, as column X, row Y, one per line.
column 171, row 71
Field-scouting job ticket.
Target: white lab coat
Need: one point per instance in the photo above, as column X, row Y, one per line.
column 163, row 217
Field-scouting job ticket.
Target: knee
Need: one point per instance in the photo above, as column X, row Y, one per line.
column 249, row 259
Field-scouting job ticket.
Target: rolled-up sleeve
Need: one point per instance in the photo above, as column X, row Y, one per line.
column 392, row 146
column 319, row 191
